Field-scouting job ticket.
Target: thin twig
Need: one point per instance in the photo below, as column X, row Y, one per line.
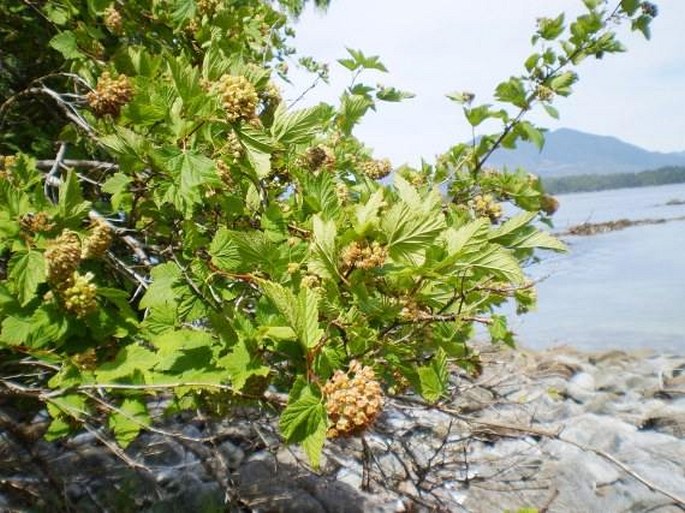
column 556, row 435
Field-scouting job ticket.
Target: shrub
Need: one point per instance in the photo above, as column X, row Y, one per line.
column 194, row 234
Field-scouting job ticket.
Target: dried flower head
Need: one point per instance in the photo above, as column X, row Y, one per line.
column 98, row 241
column 549, row 204
column 319, row 157
column 353, row 400
column 110, row 95
column 36, row 223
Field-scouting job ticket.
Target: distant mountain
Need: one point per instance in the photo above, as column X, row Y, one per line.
column 570, row 152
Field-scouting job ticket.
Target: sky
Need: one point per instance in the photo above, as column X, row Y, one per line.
column 435, row 47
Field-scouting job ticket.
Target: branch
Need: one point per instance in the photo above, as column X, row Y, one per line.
column 82, row 164
column 69, row 111
column 133, row 243
column 502, row 428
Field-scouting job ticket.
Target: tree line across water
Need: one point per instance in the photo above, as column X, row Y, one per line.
column 590, row 182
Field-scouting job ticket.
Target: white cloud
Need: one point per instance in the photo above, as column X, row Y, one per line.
column 438, row 46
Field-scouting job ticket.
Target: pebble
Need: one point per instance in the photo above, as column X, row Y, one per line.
column 491, row 455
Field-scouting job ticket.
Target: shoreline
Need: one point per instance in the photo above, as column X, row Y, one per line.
column 560, row 430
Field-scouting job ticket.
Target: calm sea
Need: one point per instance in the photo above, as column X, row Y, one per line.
column 619, row 290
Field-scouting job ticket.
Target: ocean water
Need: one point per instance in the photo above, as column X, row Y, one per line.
column 619, row 290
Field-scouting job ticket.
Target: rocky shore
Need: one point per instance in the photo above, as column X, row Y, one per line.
column 587, row 229
column 559, row 431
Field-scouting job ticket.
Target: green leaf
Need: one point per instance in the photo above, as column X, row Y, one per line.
column 295, row 127
column 530, row 133
column 630, row 6
column 65, row 43
column 26, row 272
column 561, row 84
column 323, row 259
column 366, row 214
column 58, row 428
column 551, row 28
column 224, row 251
column 512, row 91
column 72, row 207
column 301, row 312
column 434, row 378
column 361, row 61
column 182, row 11
column 499, row 332
column 476, row 115
column 192, row 170
column 352, row 109
column 304, row 421
column 498, row 260
column 15, row 331
column 308, row 318
column 132, row 360
column 126, row 423
column 69, row 405
column 174, row 346
column 511, row 225
column 533, row 238
column 159, row 320
column 47, row 325
column 390, row 94
column 117, row 186
column 242, row 365
column 161, row 292
column 642, row 24
column 409, row 234
column 131, row 148
column 554, row 113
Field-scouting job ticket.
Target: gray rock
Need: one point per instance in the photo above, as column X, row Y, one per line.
column 232, row 454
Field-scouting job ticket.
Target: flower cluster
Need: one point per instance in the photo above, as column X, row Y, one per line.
column 62, row 257
column 317, row 158
column 238, row 96
column 342, row 192
column 376, row 169
column 110, row 94
column 411, row 311
column 113, row 20
column 544, row 93
column 207, row 6
column 310, row 281
column 486, row 206
column 7, row 162
column 353, row 400
column 364, row 256
column 79, row 297
column 98, row 241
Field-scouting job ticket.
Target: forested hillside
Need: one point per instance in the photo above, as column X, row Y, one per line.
column 587, row 183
